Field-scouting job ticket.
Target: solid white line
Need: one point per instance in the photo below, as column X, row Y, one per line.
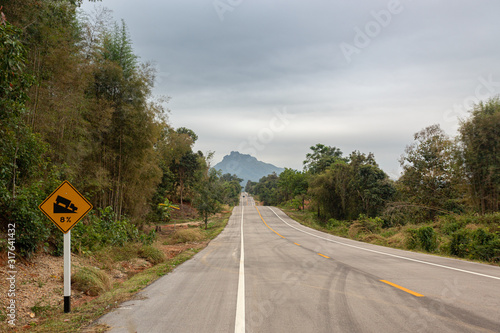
column 239, row 324
column 388, row 254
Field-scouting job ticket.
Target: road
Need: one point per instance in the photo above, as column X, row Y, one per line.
column 289, row 278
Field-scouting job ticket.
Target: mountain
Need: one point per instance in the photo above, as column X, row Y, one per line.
column 246, row 167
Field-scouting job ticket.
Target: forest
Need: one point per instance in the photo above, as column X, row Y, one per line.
column 76, row 104
column 446, row 199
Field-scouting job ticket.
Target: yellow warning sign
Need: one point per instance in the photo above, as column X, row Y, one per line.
column 65, row 206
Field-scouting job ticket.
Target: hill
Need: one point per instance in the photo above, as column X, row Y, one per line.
column 246, row 167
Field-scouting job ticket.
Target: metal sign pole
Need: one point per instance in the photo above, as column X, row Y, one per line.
column 67, row 272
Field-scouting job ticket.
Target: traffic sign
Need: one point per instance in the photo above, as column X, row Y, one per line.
column 65, row 206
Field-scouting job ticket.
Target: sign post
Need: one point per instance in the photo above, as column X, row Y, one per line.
column 67, row 272
column 66, row 207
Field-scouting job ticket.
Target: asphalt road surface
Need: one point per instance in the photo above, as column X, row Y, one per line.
column 284, row 277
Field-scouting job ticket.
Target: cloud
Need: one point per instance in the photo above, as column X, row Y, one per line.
column 228, row 77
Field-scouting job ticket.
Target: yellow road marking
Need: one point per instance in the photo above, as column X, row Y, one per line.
column 266, row 223
column 323, row 256
column 402, row 288
column 296, row 244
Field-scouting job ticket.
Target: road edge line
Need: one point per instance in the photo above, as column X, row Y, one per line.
column 388, row 254
column 239, row 323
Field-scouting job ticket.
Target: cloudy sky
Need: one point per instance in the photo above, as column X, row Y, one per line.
column 272, row 78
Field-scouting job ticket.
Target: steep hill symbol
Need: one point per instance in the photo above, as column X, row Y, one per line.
column 64, row 206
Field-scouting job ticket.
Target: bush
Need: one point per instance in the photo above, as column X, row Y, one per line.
column 102, row 229
column 424, row 238
column 372, row 224
column 398, row 213
column 460, row 243
column 32, row 227
column 91, row 280
column 427, row 238
column 475, row 244
column 333, row 223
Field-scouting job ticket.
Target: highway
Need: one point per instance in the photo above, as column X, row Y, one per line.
column 284, row 277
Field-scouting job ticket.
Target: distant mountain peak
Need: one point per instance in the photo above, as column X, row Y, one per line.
column 246, row 167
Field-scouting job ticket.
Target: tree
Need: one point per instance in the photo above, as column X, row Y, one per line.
column 293, row 185
column 428, row 171
column 267, row 189
column 371, row 186
column 349, row 187
column 321, row 158
column 231, row 188
column 480, row 139
column 208, row 201
column 24, row 172
column 185, row 171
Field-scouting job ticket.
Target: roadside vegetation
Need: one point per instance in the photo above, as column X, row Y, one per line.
column 76, row 104
column 446, row 200
column 113, row 274
column 471, row 237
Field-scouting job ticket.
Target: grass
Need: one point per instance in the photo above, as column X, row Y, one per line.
column 189, row 235
column 91, row 280
column 152, row 254
column 82, row 317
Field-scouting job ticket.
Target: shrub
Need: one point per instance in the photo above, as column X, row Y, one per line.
column 427, row 238
column 103, row 229
column 460, row 243
column 475, row 244
column 333, row 223
column 411, row 239
column 424, row 238
column 372, row 224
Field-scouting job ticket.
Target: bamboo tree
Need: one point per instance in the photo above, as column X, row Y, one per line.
column 480, row 138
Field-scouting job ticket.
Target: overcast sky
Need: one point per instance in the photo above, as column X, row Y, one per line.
column 272, row 78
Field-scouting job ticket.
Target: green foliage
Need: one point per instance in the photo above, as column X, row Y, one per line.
column 292, row 186
column 321, row 158
column 372, row 224
column 231, row 189
column 21, row 152
column 428, row 178
column 480, row 140
column 349, row 187
column 208, row 200
column 427, row 238
column 32, row 227
column 166, row 209
column 103, row 229
column 333, row 223
column 475, row 244
column 424, row 238
column 267, row 190
column 117, row 47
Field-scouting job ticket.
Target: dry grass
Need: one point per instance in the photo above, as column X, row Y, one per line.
column 189, row 235
column 90, row 280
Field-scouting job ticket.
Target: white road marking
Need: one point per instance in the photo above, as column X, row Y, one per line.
column 239, row 324
column 387, row 254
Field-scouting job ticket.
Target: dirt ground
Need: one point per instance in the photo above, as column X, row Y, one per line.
column 39, row 282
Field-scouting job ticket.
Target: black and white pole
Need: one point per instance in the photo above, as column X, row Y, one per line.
column 67, row 272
